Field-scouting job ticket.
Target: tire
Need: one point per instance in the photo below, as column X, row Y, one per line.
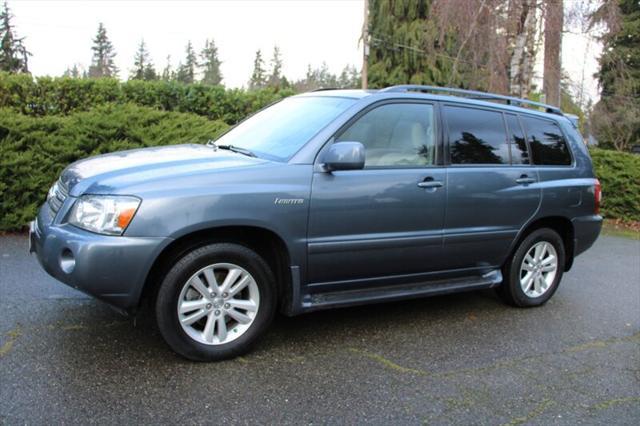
column 224, row 325
column 523, row 290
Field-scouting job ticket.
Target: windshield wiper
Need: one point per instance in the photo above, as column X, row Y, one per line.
column 237, row 149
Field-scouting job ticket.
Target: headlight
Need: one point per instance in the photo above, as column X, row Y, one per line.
column 52, row 191
column 104, row 214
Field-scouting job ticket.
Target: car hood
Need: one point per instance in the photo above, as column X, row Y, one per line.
column 109, row 172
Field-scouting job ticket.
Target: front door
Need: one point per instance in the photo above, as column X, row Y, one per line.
column 385, row 221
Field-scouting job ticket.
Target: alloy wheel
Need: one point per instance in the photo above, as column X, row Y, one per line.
column 218, row 304
column 538, row 270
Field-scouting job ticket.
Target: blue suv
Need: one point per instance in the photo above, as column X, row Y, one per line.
column 327, row 199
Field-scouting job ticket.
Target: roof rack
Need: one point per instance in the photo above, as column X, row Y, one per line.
column 473, row 94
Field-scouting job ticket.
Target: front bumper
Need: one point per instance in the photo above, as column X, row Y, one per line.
column 110, row 268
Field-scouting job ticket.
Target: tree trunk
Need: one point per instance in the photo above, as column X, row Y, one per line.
column 552, row 50
column 522, row 46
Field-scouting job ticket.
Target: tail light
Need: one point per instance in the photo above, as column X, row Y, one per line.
column 597, row 195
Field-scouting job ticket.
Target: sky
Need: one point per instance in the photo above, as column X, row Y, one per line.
column 59, row 34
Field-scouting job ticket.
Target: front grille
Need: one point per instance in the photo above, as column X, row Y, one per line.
column 57, row 194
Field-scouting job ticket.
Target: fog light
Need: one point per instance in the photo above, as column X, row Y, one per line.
column 67, row 261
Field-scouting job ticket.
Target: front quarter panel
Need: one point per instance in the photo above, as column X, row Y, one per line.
column 274, row 196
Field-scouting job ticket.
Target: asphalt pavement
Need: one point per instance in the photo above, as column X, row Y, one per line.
column 459, row 359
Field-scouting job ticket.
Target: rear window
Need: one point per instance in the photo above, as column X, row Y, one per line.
column 476, row 136
column 548, row 145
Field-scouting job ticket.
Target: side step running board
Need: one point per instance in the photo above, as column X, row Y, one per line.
column 312, row 302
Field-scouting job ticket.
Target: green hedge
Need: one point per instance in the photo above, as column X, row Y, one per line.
column 61, row 96
column 48, row 123
column 619, row 174
column 34, row 150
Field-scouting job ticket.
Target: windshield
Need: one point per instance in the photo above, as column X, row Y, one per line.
column 278, row 132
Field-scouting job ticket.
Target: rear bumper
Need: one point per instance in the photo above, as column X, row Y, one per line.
column 586, row 231
column 110, row 268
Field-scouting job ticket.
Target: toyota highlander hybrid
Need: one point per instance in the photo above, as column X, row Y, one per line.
column 326, row 199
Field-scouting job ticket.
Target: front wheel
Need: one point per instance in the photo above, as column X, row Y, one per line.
column 215, row 302
column 533, row 273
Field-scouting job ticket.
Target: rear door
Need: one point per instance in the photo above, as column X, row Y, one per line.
column 492, row 189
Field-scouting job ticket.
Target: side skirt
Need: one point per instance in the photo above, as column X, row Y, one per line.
column 345, row 298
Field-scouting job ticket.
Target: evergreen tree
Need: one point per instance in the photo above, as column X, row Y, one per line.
column 149, row 72
column 349, row 78
column 275, row 76
column 167, row 72
column 615, row 116
column 308, row 83
column 210, row 64
column 139, row 62
column 403, row 40
column 73, row 72
column 258, row 78
column 143, row 68
column 322, row 78
column 620, row 61
column 13, row 54
column 102, row 64
column 187, row 71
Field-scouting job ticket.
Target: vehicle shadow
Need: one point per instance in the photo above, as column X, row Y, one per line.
column 391, row 322
column 97, row 334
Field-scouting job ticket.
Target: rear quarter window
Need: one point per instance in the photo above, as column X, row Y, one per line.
column 547, row 143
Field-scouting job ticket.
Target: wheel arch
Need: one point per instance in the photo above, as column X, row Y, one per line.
column 267, row 243
column 562, row 225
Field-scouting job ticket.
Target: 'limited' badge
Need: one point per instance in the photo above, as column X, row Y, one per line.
column 289, row 201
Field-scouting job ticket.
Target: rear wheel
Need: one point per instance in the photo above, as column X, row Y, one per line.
column 533, row 273
column 215, row 302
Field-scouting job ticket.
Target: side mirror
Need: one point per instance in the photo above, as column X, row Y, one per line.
column 344, row 156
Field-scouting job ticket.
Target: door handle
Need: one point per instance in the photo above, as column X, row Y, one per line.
column 428, row 182
column 524, row 180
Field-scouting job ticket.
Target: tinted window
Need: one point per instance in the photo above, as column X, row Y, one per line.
column 548, row 146
column 281, row 130
column 518, row 145
column 395, row 135
column 476, row 136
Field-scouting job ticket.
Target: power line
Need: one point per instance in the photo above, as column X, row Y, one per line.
column 423, row 52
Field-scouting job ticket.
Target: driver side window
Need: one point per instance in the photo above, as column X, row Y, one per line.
column 395, row 135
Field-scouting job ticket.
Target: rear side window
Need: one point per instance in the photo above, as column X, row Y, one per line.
column 518, row 144
column 548, row 145
column 476, row 136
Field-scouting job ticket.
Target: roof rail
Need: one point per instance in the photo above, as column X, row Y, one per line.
column 473, row 94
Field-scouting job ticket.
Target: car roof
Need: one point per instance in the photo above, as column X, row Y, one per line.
column 384, row 94
column 342, row 93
